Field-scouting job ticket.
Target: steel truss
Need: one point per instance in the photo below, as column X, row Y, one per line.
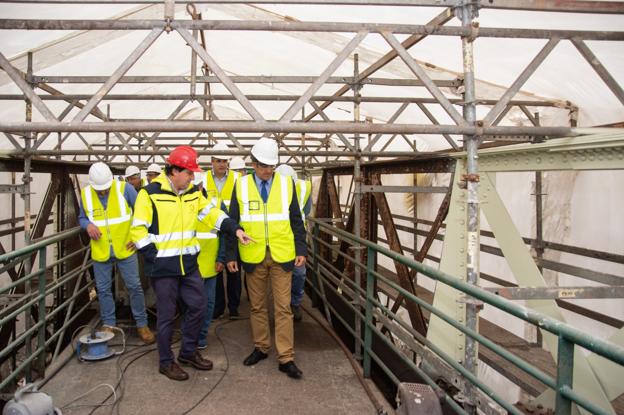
column 307, row 135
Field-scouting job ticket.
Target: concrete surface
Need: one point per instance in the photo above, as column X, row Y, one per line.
column 329, row 384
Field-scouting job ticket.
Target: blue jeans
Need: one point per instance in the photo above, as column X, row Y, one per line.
column 210, row 285
column 104, row 280
column 233, row 292
column 298, row 282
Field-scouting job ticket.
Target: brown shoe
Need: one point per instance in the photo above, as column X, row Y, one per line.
column 173, row 372
column 146, row 335
column 197, row 361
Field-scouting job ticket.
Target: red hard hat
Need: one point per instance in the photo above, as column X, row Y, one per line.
column 185, row 157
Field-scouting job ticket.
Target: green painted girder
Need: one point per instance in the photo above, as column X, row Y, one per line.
column 590, row 152
column 595, row 378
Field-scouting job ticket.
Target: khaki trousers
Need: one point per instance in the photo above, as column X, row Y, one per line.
column 270, row 273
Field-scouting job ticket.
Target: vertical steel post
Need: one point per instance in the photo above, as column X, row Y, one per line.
column 42, row 313
column 107, row 134
column 26, row 179
column 13, row 215
column 467, row 12
column 315, row 269
column 368, row 334
column 565, row 369
column 357, row 205
column 303, row 144
column 539, row 218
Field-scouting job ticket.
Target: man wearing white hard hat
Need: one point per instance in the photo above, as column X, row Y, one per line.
column 237, row 164
column 106, row 214
column 304, row 190
column 219, row 182
column 153, row 171
column 133, row 176
column 265, row 204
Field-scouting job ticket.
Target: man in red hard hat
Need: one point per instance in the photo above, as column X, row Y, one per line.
column 163, row 229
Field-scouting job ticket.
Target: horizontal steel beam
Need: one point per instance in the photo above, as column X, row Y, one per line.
column 549, row 293
column 297, row 26
column 11, row 188
column 404, row 189
column 163, row 152
column 250, row 79
column 281, row 127
column 277, row 97
column 568, row 6
column 591, row 152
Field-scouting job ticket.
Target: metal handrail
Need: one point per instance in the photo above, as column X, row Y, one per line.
column 37, row 299
column 568, row 335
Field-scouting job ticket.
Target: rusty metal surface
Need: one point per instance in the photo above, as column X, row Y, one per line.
column 414, row 310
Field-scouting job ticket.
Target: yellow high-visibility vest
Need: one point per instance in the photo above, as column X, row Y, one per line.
column 208, row 246
column 169, row 220
column 226, row 191
column 114, row 221
column 304, row 190
column 267, row 223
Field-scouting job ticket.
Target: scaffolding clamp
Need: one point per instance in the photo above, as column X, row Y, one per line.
column 465, row 178
column 471, row 300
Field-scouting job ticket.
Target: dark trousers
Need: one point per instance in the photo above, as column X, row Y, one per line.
column 189, row 290
column 233, row 293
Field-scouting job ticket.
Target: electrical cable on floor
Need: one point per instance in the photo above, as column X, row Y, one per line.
column 356, row 367
column 97, row 405
column 227, row 365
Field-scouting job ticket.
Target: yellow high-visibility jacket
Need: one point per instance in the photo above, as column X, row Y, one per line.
column 209, row 244
column 114, row 221
column 304, row 190
column 165, row 224
column 267, row 223
column 226, row 191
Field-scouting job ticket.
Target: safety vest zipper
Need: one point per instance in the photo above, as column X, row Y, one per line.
column 108, row 232
column 182, row 245
column 266, row 225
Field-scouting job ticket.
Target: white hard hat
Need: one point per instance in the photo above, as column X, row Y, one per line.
column 154, row 168
column 237, row 163
column 198, row 178
column 221, row 147
column 265, row 151
column 100, row 176
column 131, row 171
column 286, row 170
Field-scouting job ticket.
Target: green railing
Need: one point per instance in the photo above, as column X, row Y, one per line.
column 327, row 277
column 36, row 299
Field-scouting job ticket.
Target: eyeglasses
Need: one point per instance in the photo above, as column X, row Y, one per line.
column 264, row 166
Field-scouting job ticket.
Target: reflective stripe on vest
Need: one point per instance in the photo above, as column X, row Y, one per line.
column 208, row 242
column 267, row 223
column 304, row 189
column 114, row 221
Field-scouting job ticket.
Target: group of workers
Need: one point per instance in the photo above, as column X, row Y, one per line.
column 191, row 227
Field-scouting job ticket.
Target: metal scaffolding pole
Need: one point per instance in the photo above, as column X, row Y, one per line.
column 290, row 127
column 467, row 13
column 26, row 179
column 568, row 6
column 297, row 26
column 357, row 179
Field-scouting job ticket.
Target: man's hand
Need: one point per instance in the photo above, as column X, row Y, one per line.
column 219, row 267
column 300, row 260
column 232, row 266
column 94, row 232
column 131, row 246
column 243, row 238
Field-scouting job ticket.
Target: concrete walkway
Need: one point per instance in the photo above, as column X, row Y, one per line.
column 329, row 384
